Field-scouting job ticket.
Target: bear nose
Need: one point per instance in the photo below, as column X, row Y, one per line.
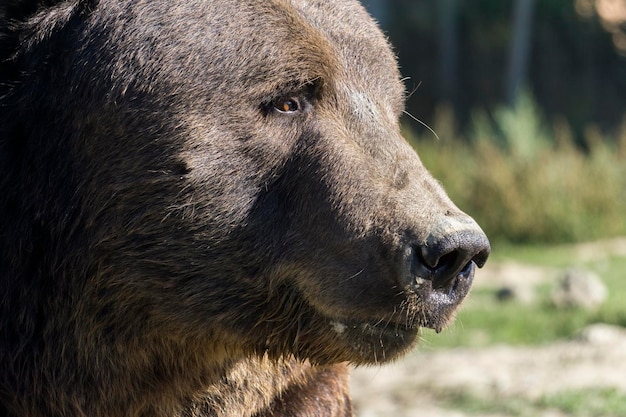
column 451, row 249
column 447, row 256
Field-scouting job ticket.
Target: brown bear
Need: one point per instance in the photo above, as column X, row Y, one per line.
column 207, row 209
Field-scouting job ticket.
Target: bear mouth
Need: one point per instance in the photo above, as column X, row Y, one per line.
column 442, row 302
column 424, row 305
column 363, row 330
column 380, row 339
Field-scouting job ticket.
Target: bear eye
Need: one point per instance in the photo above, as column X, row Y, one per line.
column 287, row 105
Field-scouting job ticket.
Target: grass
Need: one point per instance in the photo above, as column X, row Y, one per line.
column 576, row 403
column 483, row 320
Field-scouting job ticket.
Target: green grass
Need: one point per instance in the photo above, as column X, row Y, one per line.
column 539, row 254
column 575, row 403
column 484, row 321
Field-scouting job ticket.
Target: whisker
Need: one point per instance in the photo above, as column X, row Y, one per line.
column 414, row 88
column 422, row 123
column 355, row 275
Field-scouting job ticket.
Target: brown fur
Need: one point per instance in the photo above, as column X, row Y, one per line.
column 173, row 244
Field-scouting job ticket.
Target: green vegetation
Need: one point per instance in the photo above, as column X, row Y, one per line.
column 587, row 403
column 526, row 182
column 532, row 190
column 583, row 403
column 535, row 190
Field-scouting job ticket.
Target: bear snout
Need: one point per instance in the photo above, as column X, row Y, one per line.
column 451, row 249
column 441, row 268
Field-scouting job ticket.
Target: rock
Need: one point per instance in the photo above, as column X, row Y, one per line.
column 579, row 288
column 523, row 294
column 603, row 334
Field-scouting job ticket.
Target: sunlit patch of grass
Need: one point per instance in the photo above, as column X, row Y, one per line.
column 595, row 402
column 480, row 324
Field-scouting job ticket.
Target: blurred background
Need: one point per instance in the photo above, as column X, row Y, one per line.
column 528, row 102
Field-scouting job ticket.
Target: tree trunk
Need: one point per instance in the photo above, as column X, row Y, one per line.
column 448, row 47
column 519, row 50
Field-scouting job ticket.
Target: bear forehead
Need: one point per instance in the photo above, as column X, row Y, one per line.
column 365, row 54
column 264, row 45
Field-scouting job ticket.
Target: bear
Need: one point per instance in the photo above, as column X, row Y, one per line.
column 208, row 209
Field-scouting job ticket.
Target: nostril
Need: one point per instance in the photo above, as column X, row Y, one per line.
column 446, row 260
column 431, row 257
column 481, row 257
column 445, row 266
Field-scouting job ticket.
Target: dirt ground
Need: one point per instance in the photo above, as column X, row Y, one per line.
column 412, row 386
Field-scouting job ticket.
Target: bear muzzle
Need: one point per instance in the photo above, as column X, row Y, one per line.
column 440, row 270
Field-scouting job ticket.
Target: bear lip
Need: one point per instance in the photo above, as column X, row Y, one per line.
column 433, row 308
column 457, row 288
column 442, row 302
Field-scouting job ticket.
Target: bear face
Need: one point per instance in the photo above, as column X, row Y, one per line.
column 189, row 184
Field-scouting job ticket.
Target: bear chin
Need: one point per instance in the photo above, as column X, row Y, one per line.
column 383, row 339
column 373, row 343
column 355, row 342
